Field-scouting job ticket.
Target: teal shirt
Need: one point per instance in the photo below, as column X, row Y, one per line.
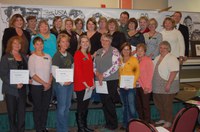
column 50, row 46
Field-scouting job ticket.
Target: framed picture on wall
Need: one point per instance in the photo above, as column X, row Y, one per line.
column 195, row 48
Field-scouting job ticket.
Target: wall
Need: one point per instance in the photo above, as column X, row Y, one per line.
column 189, row 5
column 137, row 4
column 150, row 4
column 67, row 3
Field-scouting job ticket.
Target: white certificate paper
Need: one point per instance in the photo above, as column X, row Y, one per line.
column 102, row 89
column 64, row 75
column 127, row 81
column 88, row 94
column 19, row 76
column 161, row 129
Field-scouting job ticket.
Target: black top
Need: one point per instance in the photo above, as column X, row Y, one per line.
column 184, row 31
column 10, row 32
column 95, row 42
column 118, row 39
column 73, row 42
column 54, row 31
column 135, row 39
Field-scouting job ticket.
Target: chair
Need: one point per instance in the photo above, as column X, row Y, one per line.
column 185, row 120
column 137, row 125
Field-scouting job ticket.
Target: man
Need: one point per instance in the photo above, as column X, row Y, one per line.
column 124, row 17
column 183, row 29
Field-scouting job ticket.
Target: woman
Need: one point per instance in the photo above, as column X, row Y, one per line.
column 133, row 36
column 15, row 95
column 118, row 38
column 152, row 39
column 145, row 83
column 48, row 38
column 73, row 36
column 16, row 25
column 63, row 91
column 79, row 26
column 31, row 25
column 57, row 25
column 165, row 83
column 129, row 67
column 39, row 66
column 93, row 35
column 106, row 69
column 174, row 37
column 83, row 81
column 102, row 25
column 143, row 23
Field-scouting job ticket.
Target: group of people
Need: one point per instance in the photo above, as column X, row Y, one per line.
column 104, row 54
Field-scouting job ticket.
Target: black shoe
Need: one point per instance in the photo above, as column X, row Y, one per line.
column 88, row 129
column 45, row 130
column 122, row 128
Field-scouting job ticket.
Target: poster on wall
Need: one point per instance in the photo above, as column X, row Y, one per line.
column 191, row 20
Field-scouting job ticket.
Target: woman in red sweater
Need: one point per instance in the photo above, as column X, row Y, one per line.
column 83, row 81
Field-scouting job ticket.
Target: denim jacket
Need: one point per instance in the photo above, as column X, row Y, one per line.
column 7, row 63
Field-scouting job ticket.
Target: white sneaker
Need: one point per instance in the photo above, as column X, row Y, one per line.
column 160, row 122
column 167, row 124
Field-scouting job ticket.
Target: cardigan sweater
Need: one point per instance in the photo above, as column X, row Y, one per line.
column 146, row 73
column 131, row 67
column 83, row 71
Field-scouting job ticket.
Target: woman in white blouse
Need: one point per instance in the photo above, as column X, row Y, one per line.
column 39, row 65
column 174, row 37
column 165, row 83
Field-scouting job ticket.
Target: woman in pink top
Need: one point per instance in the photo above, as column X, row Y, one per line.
column 144, row 83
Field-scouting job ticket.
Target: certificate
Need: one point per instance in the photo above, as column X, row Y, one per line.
column 88, row 94
column 102, row 89
column 126, row 81
column 19, row 76
column 161, row 129
column 64, row 75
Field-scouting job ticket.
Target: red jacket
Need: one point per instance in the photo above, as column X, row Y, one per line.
column 83, row 71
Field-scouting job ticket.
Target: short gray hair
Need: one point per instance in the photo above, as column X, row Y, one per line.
column 167, row 44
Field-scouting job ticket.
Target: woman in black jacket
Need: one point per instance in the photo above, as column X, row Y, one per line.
column 16, row 25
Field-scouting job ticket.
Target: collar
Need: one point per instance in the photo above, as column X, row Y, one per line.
column 177, row 25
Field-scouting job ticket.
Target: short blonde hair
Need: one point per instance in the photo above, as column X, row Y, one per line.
column 60, row 36
column 143, row 18
column 154, row 20
column 169, row 19
column 43, row 21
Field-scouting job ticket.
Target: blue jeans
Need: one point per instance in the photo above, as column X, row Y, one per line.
column 64, row 96
column 129, row 107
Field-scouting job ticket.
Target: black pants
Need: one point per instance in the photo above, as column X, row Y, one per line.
column 82, row 106
column 142, row 105
column 16, row 111
column 41, row 101
column 108, row 101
